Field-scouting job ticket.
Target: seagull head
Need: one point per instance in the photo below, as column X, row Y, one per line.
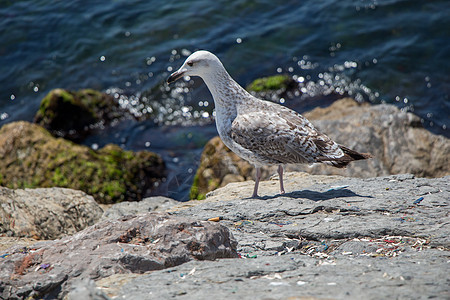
column 200, row 63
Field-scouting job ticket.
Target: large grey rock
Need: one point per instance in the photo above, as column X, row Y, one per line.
column 133, row 208
column 328, row 237
column 138, row 244
column 46, row 213
column 395, row 138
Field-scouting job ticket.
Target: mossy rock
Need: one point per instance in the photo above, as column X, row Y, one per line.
column 271, row 83
column 72, row 115
column 32, row 157
column 216, row 162
column 195, row 193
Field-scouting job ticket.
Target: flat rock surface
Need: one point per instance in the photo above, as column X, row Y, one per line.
column 329, row 237
column 133, row 208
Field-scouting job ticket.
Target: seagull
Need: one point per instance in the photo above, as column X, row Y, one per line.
column 259, row 131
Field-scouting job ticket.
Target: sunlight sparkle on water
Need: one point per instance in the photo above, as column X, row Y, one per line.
column 185, row 52
column 350, row 64
column 169, row 105
column 150, row 60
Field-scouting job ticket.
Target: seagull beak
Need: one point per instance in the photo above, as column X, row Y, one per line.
column 176, row 75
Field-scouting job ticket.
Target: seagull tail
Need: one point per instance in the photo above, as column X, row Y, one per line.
column 355, row 155
column 349, row 156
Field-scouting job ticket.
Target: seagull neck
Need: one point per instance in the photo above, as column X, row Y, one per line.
column 225, row 91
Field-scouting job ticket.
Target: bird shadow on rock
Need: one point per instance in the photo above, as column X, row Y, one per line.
column 317, row 196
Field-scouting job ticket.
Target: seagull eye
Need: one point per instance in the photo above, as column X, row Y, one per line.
column 190, row 63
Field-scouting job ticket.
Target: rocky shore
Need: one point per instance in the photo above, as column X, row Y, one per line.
column 368, row 235
column 329, row 237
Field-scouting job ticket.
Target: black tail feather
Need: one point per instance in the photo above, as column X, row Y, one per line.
column 355, row 155
column 349, row 156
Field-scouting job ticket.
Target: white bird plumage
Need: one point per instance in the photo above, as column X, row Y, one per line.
column 261, row 132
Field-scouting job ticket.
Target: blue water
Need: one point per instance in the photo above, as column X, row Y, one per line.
column 377, row 51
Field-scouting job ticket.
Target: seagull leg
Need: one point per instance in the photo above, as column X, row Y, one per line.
column 280, row 175
column 258, row 176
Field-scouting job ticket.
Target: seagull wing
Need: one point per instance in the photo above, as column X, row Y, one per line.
column 281, row 135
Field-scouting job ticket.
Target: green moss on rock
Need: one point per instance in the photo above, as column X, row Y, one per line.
column 216, row 162
column 271, row 83
column 194, row 193
column 32, row 157
column 71, row 114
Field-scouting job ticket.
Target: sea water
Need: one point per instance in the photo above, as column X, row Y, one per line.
column 377, row 51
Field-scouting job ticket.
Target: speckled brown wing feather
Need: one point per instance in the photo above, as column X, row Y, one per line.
column 280, row 135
